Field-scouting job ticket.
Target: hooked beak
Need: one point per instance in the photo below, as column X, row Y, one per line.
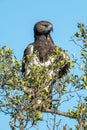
column 50, row 27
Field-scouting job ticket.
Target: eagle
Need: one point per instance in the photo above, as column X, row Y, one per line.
column 44, row 45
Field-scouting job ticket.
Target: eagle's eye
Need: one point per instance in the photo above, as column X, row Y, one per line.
column 46, row 25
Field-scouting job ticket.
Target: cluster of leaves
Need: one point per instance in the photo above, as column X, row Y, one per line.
column 79, row 81
column 81, row 110
column 81, row 36
column 16, row 91
column 9, row 68
column 80, row 114
column 76, row 82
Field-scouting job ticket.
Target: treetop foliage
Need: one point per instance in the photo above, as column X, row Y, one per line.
column 16, row 91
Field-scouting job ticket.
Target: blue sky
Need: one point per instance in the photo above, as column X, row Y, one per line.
column 17, row 18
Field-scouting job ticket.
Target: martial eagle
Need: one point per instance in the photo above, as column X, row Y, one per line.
column 44, row 45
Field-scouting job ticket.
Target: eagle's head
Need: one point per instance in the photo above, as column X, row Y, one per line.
column 43, row 27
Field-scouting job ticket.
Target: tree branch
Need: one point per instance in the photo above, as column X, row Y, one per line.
column 58, row 112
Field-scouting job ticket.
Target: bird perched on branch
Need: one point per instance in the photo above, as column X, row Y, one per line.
column 44, row 45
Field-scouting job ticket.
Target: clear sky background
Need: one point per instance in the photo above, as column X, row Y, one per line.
column 17, row 18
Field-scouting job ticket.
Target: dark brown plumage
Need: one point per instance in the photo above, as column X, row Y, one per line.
column 43, row 42
column 44, row 45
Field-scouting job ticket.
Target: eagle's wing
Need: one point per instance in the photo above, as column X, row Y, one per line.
column 29, row 50
column 65, row 67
